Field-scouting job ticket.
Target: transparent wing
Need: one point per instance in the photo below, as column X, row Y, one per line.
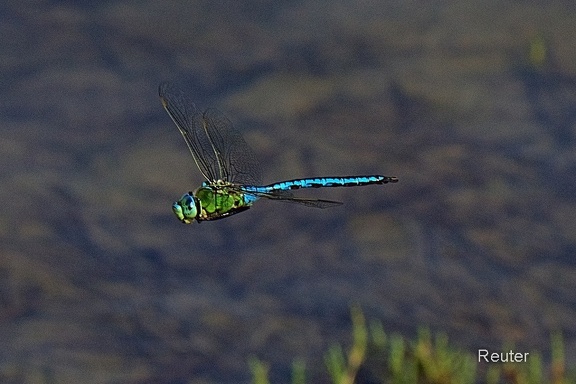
column 218, row 149
column 236, row 160
column 314, row 203
column 288, row 197
column 189, row 122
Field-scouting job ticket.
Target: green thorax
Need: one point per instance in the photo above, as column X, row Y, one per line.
column 217, row 202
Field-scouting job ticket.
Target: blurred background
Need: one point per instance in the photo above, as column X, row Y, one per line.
column 471, row 104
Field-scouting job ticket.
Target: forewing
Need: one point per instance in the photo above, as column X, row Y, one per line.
column 190, row 123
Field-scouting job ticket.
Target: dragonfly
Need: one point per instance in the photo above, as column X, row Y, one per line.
column 231, row 171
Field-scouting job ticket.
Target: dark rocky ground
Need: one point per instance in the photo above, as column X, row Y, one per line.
column 99, row 283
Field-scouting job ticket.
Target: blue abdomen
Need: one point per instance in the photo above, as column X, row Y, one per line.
column 320, row 182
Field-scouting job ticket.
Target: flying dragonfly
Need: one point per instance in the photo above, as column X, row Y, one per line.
column 230, row 169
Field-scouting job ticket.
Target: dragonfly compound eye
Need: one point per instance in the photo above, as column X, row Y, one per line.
column 185, row 208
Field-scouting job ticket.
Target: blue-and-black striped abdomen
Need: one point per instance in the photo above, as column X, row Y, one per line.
column 321, row 182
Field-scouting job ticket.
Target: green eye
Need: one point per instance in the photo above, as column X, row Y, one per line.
column 185, row 208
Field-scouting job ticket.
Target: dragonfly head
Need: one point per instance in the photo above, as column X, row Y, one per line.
column 186, row 209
